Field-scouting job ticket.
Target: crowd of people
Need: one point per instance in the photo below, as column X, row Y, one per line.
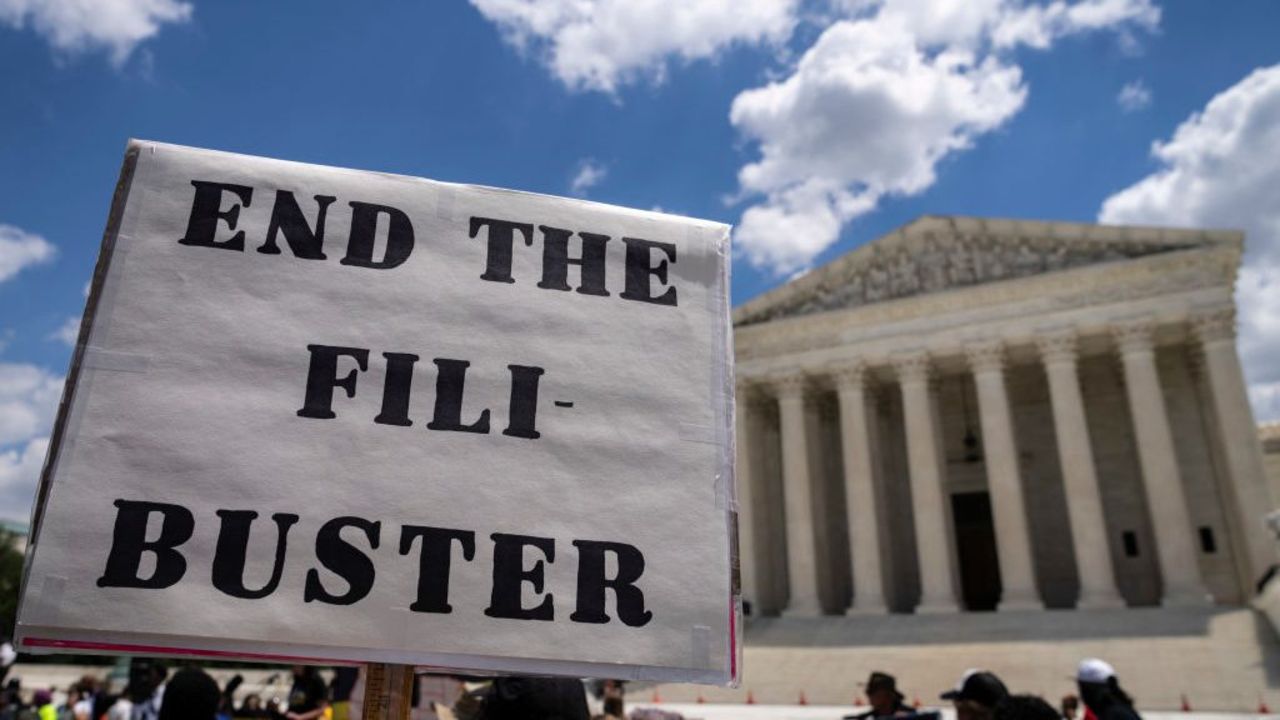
column 189, row 693
column 981, row 695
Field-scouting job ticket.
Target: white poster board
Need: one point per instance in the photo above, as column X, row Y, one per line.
column 344, row 416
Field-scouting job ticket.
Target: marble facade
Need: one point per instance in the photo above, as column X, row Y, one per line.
column 975, row 414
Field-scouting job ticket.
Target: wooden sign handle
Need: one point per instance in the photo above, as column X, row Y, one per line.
column 388, row 691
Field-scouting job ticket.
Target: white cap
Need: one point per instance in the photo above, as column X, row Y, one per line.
column 1093, row 670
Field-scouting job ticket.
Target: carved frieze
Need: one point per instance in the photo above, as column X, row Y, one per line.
column 897, row 269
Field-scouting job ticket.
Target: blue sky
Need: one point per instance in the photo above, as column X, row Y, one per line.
column 981, row 107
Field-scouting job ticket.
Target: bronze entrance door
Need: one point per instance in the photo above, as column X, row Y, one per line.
column 976, row 550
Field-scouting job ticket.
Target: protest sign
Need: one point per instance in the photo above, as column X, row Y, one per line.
column 331, row 415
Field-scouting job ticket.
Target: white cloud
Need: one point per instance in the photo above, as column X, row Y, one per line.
column 879, row 100
column 20, row 249
column 68, row 332
column 19, row 475
column 1219, row 170
column 590, row 173
column 1134, row 96
column 74, row 26
column 28, row 401
column 601, row 44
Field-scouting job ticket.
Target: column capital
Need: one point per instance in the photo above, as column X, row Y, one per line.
column 789, row 385
column 1057, row 346
column 1214, row 325
column 985, row 355
column 850, row 375
column 913, row 366
column 1133, row 336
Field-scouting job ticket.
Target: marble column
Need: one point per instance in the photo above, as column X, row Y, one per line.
column 802, row 550
column 1079, row 473
column 745, row 441
column 1238, row 436
column 928, row 499
column 1004, row 479
column 1161, row 478
column 860, row 494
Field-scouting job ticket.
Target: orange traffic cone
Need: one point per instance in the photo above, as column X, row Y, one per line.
column 802, row 700
column 1262, row 706
column 701, row 699
column 751, row 698
column 857, row 701
column 656, row 699
column 915, row 702
column 1186, row 706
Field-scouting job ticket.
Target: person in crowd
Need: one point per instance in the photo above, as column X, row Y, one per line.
column 1101, row 692
column 146, row 688
column 976, row 695
column 83, row 708
column 884, row 698
column 613, row 709
column 309, row 696
column 1070, row 707
column 121, row 709
column 190, row 695
column 1024, row 707
column 251, row 707
column 64, row 711
column 340, row 688
column 530, row 698
column 45, row 709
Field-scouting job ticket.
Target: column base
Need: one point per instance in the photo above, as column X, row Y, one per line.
column 1019, row 605
column 871, row 607
column 1101, row 601
column 1187, row 599
column 937, row 607
column 802, row 612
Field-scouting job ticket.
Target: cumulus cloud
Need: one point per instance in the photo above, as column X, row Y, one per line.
column 20, row 250
column 75, row 26
column 68, row 332
column 1218, row 170
column 1134, row 96
column 19, row 475
column 28, row 400
column 590, row 173
column 883, row 96
column 602, row 44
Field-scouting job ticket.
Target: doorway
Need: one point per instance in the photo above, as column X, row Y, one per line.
column 976, row 550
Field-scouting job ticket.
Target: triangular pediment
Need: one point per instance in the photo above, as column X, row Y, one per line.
column 939, row 253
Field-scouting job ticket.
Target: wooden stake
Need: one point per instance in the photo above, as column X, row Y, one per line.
column 388, row 691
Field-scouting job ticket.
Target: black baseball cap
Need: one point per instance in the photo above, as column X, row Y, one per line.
column 978, row 686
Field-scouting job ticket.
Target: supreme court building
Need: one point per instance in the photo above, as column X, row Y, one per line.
column 975, row 414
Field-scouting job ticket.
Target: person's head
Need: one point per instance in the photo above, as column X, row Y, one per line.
column 976, row 695
column 613, row 707
column 190, row 695
column 42, row 698
column 144, row 677
column 882, row 693
column 303, row 671
column 1099, row 686
column 1070, row 706
column 1024, row 707
column 252, row 702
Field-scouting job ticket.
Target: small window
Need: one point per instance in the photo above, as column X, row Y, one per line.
column 1130, row 539
column 1208, row 544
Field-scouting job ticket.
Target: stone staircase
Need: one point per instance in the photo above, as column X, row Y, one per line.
column 1220, row 659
